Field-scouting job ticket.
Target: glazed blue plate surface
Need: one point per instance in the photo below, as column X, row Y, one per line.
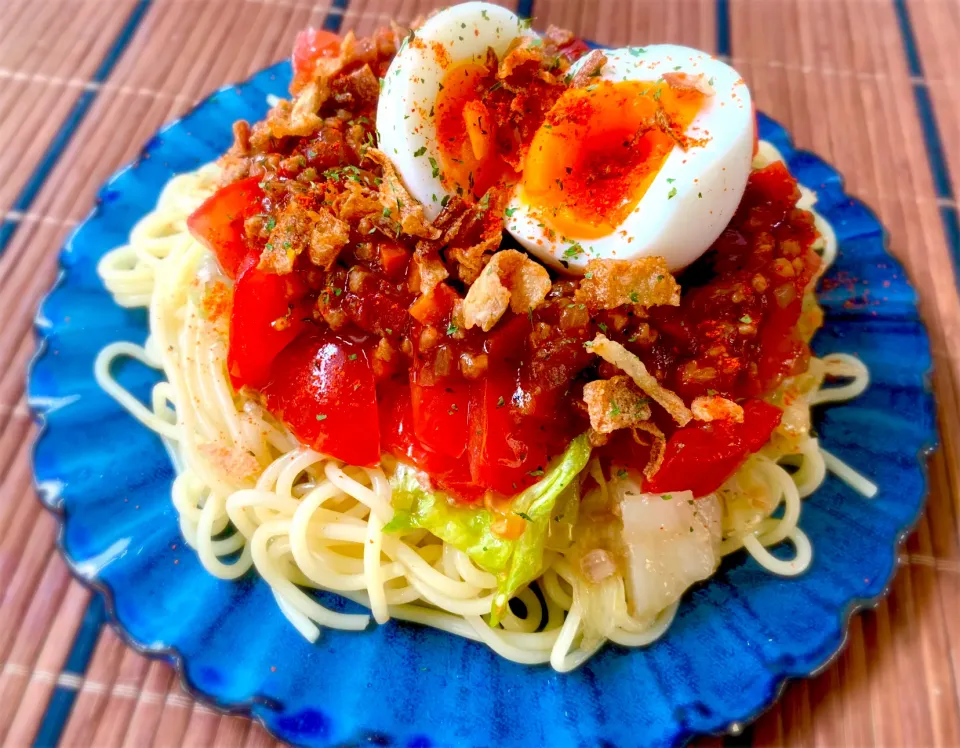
column 736, row 638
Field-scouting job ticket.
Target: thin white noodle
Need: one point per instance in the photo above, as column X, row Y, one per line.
column 800, row 562
column 848, row 475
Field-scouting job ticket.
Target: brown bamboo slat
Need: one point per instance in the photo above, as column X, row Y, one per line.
column 834, row 71
column 937, row 27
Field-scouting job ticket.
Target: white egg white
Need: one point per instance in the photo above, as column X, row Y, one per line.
column 695, row 193
column 406, row 130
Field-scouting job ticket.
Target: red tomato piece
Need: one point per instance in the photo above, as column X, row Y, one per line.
column 507, row 450
column 398, row 438
column 701, row 457
column 507, row 453
column 322, row 387
column 574, row 49
column 269, row 312
column 759, row 421
column 310, row 45
column 440, row 415
column 218, row 222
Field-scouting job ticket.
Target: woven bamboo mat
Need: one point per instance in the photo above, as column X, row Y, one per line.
column 871, row 85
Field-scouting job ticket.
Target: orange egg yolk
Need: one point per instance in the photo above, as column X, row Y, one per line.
column 466, row 132
column 598, row 151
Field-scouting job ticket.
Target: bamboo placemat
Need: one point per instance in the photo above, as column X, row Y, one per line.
column 871, row 85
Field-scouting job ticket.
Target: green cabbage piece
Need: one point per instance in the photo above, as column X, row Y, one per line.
column 515, row 563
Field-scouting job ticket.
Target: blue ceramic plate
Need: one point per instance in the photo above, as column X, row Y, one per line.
column 736, row 639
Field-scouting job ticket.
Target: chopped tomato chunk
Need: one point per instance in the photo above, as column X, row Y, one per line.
column 701, row 457
column 440, row 415
column 269, row 312
column 399, row 439
column 507, row 451
column 322, row 387
column 218, row 222
column 310, row 45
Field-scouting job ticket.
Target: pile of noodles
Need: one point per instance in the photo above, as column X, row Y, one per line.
column 250, row 496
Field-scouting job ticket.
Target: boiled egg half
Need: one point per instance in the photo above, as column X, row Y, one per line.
column 428, row 121
column 650, row 157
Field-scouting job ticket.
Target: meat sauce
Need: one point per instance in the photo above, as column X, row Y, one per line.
column 486, row 410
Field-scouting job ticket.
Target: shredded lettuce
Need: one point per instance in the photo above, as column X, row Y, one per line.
column 515, row 563
column 464, row 527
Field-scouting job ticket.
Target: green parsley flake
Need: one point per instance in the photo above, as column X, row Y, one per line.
column 509, row 212
column 636, row 51
column 574, row 250
column 524, row 515
column 536, row 473
column 321, row 417
column 434, row 166
column 420, row 151
column 746, row 319
column 614, row 410
column 621, row 473
column 634, row 297
column 672, row 193
column 452, row 329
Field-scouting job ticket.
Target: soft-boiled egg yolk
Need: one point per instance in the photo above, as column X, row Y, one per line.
column 431, row 118
column 599, row 151
column 466, row 132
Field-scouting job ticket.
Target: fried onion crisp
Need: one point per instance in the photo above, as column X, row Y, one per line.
column 395, row 198
column 608, row 284
column 658, row 446
column 614, row 353
column 287, row 241
column 510, row 279
column 471, row 232
column 528, row 50
column 590, row 68
column 328, row 236
column 688, row 82
column 298, row 229
column 615, row 403
column 428, row 270
column 716, row 408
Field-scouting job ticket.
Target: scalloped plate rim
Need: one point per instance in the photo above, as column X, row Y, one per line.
column 778, row 682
